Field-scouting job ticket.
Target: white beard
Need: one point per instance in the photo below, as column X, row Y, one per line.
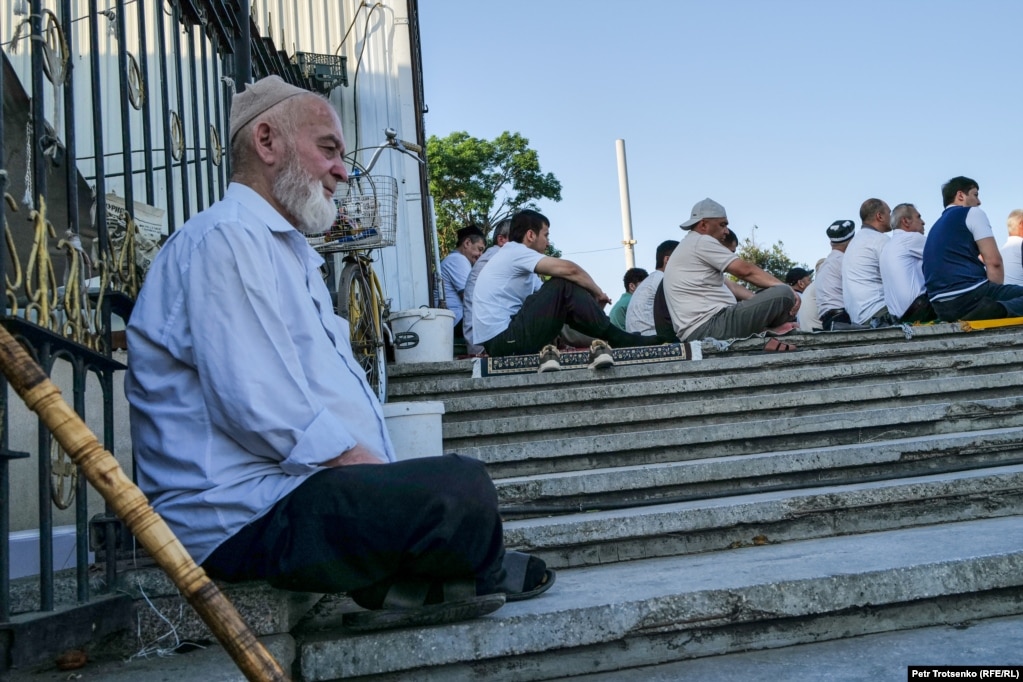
column 301, row 195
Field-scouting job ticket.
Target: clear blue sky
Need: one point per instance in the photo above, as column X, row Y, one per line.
column 790, row 113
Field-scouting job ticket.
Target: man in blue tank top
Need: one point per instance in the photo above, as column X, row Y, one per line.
column 962, row 267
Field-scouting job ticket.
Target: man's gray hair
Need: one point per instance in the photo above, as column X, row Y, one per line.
column 899, row 212
column 1015, row 223
column 502, row 229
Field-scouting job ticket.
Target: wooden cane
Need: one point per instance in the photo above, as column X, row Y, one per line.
column 105, row 474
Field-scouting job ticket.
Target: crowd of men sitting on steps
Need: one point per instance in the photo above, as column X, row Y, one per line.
column 869, row 279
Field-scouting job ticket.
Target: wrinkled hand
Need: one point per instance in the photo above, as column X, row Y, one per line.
column 357, row 455
column 602, row 298
column 795, row 308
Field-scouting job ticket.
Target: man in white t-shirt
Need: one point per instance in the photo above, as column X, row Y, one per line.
column 514, row 313
column 1012, row 258
column 500, row 239
column 639, row 319
column 861, row 270
column 830, row 302
column 455, row 269
column 902, row 268
column 701, row 305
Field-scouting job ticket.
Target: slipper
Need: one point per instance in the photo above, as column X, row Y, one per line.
column 776, row 346
column 526, row 576
column 405, row 606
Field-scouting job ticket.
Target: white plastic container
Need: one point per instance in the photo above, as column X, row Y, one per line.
column 435, row 329
column 415, row 428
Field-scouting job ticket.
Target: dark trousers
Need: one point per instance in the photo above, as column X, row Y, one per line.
column 988, row 301
column 829, row 318
column 559, row 302
column 920, row 310
column 361, row 527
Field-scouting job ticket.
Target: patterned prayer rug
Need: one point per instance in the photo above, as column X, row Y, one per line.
column 528, row 364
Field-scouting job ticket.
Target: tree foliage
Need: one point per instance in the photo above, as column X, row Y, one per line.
column 772, row 258
column 483, row 181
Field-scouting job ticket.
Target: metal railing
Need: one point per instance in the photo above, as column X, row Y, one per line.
column 123, row 110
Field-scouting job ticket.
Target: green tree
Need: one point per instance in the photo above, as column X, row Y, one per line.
column 483, row 181
column 773, row 258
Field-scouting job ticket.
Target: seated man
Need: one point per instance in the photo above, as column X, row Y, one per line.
column 830, row 301
column 861, row 272
column 962, row 267
column 1012, row 258
column 515, row 314
column 455, row 269
column 799, row 279
column 500, row 239
column 902, row 268
column 256, row 435
column 701, row 304
column 640, row 317
column 632, row 279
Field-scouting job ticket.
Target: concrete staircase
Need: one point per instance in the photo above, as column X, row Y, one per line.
column 871, row 482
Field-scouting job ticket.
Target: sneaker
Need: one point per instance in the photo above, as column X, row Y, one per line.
column 600, row 355
column 550, row 359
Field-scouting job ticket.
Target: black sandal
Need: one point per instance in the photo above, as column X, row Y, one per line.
column 405, row 606
column 526, row 576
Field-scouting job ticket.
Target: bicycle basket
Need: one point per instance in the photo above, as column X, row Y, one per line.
column 366, row 217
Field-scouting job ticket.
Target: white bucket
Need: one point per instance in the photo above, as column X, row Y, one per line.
column 415, row 428
column 423, row 335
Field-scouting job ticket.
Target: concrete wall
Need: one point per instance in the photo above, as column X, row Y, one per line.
column 379, row 95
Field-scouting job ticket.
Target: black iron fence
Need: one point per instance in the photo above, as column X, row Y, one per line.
column 113, row 126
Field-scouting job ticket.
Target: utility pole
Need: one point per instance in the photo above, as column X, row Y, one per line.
column 623, row 191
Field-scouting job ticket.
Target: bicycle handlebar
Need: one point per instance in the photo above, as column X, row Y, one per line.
column 410, row 148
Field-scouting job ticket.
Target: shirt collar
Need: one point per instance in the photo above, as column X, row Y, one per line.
column 255, row 202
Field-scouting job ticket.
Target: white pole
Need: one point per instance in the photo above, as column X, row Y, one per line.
column 623, row 190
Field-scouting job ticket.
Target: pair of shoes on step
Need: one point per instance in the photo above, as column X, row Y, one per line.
column 414, row 603
column 600, row 357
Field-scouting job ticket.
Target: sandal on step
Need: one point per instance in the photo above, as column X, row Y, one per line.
column 526, row 576
column 405, row 605
column 775, row 346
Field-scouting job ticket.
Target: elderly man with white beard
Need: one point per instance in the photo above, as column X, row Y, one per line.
column 256, row 435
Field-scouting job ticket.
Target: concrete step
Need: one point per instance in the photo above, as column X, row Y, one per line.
column 740, row 374
column 454, row 380
column 629, row 614
column 679, row 528
column 582, row 452
column 209, row 663
column 819, row 398
column 615, row 487
column 883, row 657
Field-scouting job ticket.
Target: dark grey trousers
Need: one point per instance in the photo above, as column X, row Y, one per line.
column 767, row 309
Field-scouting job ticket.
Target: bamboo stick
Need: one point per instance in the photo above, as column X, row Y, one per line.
column 105, row 474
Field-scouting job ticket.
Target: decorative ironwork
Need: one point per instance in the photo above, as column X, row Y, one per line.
column 136, row 83
column 216, row 149
column 177, row 131
column 63, row 477
column 12, row 287
column 40, row 279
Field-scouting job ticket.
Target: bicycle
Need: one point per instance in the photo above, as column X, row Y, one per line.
column 366, row 221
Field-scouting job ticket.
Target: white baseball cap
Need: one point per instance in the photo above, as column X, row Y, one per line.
column 708, row 208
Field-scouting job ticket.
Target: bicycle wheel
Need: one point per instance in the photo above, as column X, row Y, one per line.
column 357, row 303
